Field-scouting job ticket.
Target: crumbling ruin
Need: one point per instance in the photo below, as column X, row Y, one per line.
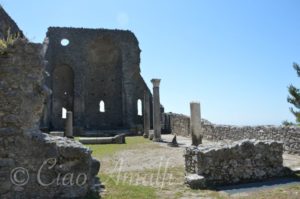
column 242, row 161
column 181, row 125
column 95, row 74
column 33, row 164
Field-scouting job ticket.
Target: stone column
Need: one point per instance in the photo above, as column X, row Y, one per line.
column 196, row 123
column 156, row 110
column 69, row 125
column 146, row 114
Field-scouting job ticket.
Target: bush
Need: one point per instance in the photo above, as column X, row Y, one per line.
column 5, row 42
column 287, row 123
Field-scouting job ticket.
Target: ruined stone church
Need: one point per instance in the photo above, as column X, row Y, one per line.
column 95, row 73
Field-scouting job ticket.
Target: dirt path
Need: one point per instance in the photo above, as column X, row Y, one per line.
column 152, row 156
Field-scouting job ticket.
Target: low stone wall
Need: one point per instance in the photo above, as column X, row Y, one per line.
column 33, row 164
column 289, row 135
column 179, row 124
column 176, row 124
column 242, row 161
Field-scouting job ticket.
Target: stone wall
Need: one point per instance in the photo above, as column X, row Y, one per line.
column 242, row 161
column 176, row 124
column 33, row 164
column 180, row 124
column 8, row 26
column 96, row 65
column 289, row 135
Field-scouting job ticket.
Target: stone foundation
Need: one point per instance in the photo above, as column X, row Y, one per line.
column 243, row 161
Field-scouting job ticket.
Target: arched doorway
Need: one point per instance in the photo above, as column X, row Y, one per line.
column 62, row 96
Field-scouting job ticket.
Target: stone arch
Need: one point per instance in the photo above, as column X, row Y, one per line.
column 62, row 93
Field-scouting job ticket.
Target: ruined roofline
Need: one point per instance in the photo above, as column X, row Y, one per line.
column 82, row 30
column 7, row 22
column 87, row 29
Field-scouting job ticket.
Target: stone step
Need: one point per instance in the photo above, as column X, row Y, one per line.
column 118, row 139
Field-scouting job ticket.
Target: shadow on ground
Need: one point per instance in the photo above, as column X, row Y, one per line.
column 259, row 186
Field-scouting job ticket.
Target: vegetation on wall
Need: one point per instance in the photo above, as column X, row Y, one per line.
column 5, row 42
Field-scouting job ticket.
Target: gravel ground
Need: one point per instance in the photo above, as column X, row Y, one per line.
column 156, row 155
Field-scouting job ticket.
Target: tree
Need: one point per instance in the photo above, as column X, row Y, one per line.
column 294, row 97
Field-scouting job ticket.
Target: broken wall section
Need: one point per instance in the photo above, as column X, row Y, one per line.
column 8, row 26
column 242, row 161
column 23, row 146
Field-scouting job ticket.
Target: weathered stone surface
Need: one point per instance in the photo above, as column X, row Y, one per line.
column 51, row 165
column 151, row 134
column 196, row 123
column 177, row 124
column 156, row 110
column 118, row 139
column 174, row 142
column 147, row 114
column 242, row 161
column 69, row 125
column 97, row 65
column 289, row 135
column 57, row 133
column 7, row 25
column 195, row 181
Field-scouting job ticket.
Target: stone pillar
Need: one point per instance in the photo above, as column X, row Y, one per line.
column 156, row 110
column 196, row 123
column 69, row 125
column 146, row 114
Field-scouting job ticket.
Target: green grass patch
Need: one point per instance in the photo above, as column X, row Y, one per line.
column 101, row 150
column 123, row 190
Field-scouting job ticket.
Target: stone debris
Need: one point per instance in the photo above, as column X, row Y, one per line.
column 174, row 142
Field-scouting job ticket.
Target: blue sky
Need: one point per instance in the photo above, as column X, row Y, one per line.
column 233, row 56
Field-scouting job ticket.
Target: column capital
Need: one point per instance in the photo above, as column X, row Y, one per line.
column 193, row 103
column 155, row 82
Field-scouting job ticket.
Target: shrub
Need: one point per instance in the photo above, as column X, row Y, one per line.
column 5, row 42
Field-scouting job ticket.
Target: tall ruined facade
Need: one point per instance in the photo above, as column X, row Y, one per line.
column 95, row 74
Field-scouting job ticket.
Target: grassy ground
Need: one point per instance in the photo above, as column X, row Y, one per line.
column 152, row 183
column 123, row 189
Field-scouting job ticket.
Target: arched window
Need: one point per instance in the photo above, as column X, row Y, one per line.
column 102, row 106
column 63, row 113
column 139, row 107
